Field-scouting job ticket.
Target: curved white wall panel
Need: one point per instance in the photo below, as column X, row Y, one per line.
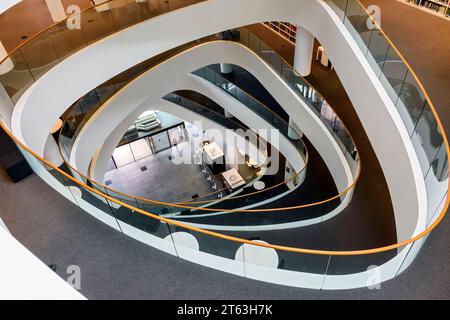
column 146, row 39
column 175, row 74
column 35, row 113
column 116, row 115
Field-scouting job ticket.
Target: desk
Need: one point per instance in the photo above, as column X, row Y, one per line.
column 233, row 179
column 212, row 152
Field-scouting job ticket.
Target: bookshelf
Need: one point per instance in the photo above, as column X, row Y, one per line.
column 439, row 7
column 287, row 30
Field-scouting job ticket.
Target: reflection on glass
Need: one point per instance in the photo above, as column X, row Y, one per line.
column 140, row 149
column 123, row 155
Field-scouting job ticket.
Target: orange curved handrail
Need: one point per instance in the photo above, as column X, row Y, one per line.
column 266, row 245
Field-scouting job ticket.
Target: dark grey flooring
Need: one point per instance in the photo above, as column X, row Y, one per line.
column 163, row 180
column 114, row 266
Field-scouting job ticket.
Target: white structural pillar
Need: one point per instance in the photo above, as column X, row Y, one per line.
column 226, row 68
column 304, row 47
column 56, row 9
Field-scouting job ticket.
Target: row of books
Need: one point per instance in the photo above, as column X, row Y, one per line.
column 439, row 6
column 286, row 29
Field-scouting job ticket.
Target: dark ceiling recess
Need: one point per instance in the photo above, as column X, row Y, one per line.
column 12, row 160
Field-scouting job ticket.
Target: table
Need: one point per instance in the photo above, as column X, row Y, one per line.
column 212, row 152
column 233, row 179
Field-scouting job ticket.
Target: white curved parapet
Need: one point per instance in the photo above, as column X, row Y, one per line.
column 370, row 99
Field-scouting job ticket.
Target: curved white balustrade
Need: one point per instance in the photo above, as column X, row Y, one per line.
column 370, row 99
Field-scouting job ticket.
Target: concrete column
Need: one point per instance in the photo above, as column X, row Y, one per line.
column 304, row 47
column 226, row 68
column 294, row 131
column 56, row 9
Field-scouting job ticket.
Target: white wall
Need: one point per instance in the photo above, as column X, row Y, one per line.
column 23, row 276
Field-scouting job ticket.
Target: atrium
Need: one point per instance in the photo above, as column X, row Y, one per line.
column 224, row 149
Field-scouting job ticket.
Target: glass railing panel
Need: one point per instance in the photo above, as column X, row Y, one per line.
column 90, row 101
column 377, row 51
column 303, row 262
column 301, row 86
column 402, row 87
column 149, row 226
column 276, row 62
column 40, row 55
column 95, row 200
column 350, row 264
column 124, row 13
column 265, row 52
column 427, row 139
column 339, row 7
column 44, row 51
column 242, row 97
column 268, row 263
column 413, row 100
column 254, row 42
column 287, row 73
column 15, row 75
column 394, row 74
column 356, row 22
column 66, row 38
column 244, row 37
column 96, row 23
column 157, row 208
column 207, row 250
column 439, row 166
column 105, row 91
